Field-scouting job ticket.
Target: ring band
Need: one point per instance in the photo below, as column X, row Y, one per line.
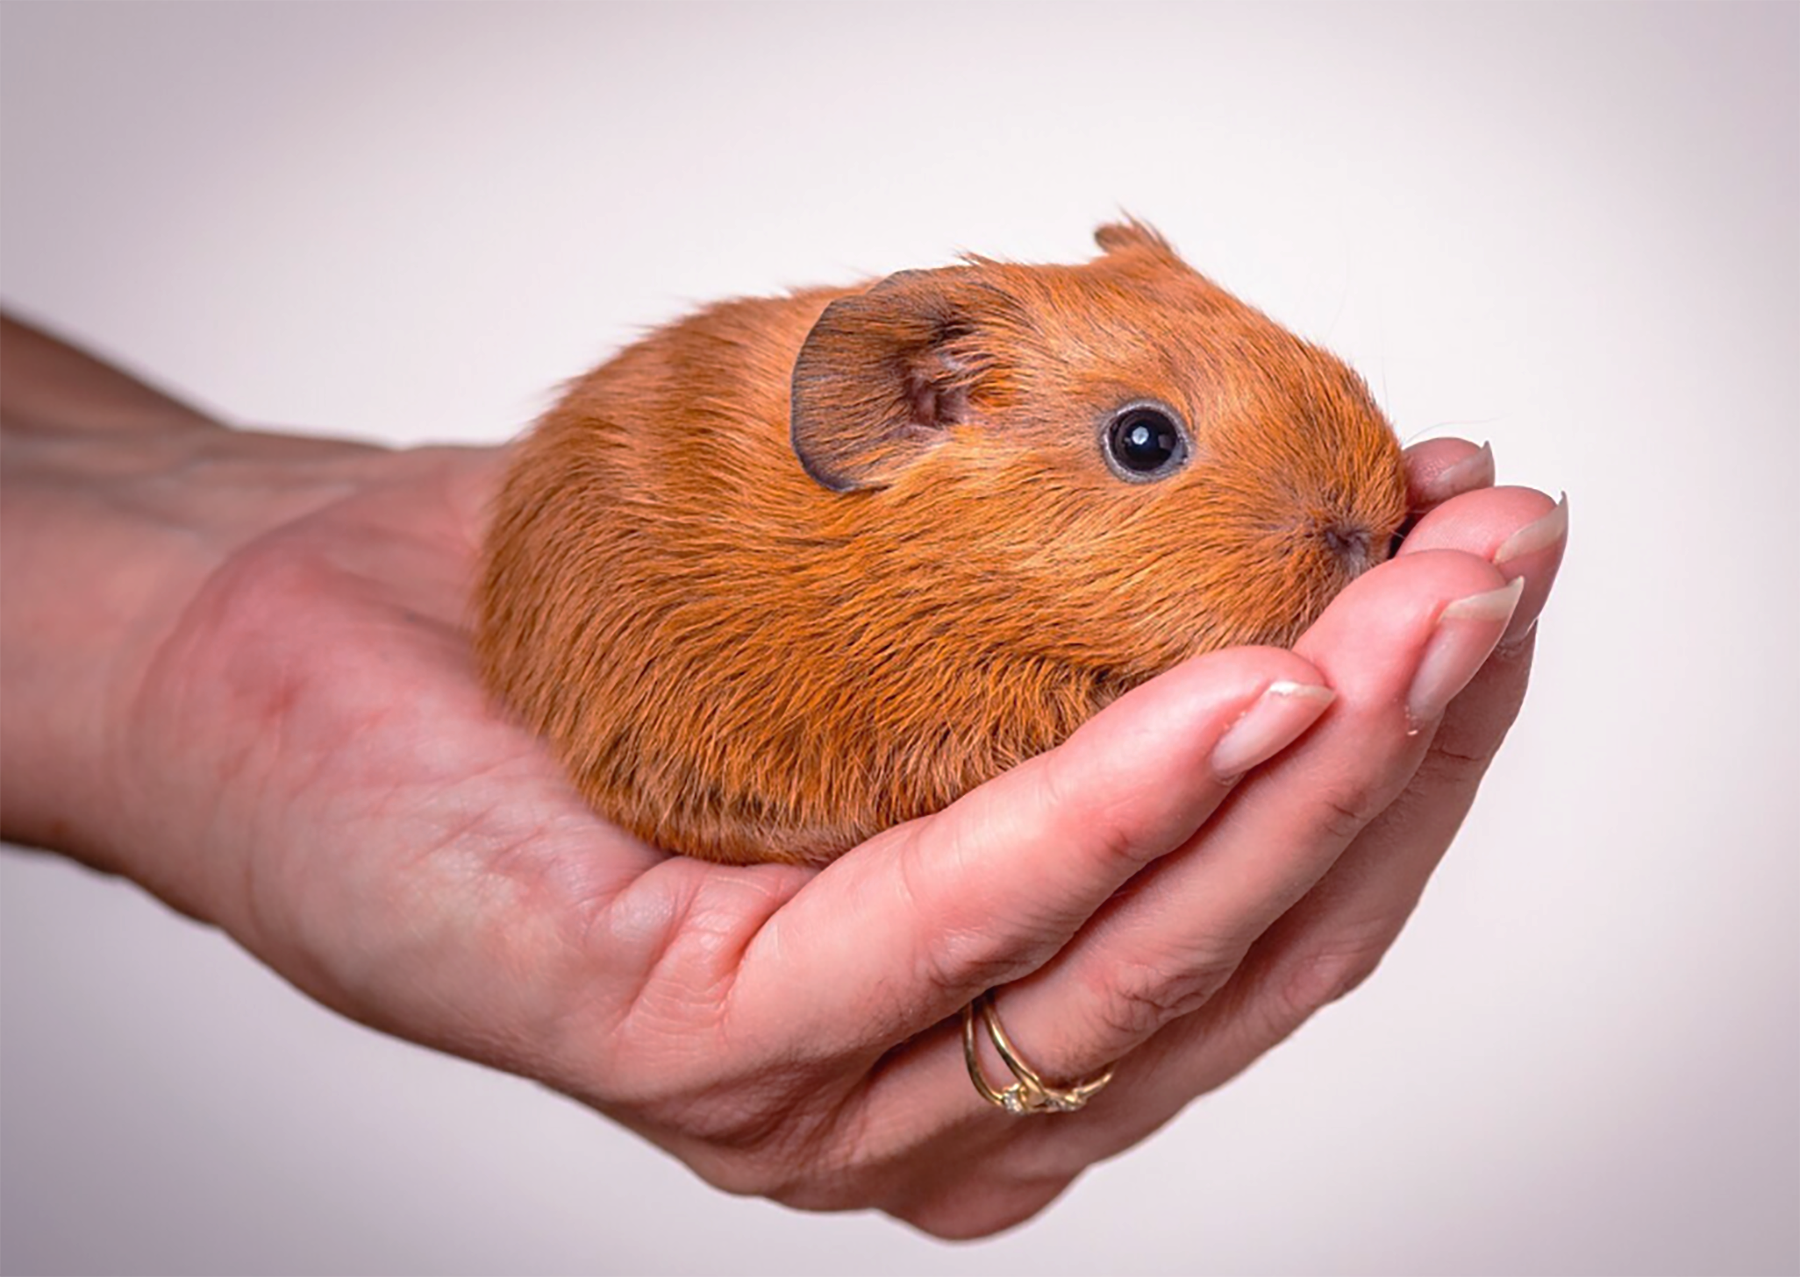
column 1029, row 1093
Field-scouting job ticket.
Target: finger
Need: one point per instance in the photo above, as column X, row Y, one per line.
column 1405, row 634
column 1519, row 530
column 1334, row 936
column 1201, row 1051
column 902, row 931
column 1333, row 939
column 1439, row 469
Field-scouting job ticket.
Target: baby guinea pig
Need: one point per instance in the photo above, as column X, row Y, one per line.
column 792, row 570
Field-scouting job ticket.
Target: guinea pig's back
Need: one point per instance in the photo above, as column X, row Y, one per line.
column 637, row 604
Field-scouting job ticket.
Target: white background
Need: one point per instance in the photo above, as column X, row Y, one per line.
column 1572, row 230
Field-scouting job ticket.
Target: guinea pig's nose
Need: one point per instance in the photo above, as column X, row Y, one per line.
column 1353, row 544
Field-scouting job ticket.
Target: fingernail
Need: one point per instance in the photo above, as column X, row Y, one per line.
column 1474, row 471
column 1539, row 535
column 1467, row 630
column 1273, row 721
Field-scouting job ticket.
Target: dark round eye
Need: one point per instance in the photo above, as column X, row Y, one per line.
column 1145, row 443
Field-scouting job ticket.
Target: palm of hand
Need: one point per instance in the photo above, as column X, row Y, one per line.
column 399, row 848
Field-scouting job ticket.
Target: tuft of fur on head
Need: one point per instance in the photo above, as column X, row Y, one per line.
column 792, row 570
column 1132, row 235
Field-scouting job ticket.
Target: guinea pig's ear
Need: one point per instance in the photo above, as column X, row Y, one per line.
column 1130, row 235
column 884, row 375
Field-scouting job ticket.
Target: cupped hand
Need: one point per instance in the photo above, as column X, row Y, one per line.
column 1224, row 850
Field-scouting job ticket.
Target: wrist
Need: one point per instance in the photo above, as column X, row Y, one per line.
column 106, row 539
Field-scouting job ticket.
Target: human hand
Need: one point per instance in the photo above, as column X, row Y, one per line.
column 295, row 747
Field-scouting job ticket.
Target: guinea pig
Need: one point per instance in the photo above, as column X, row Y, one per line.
column 792, row 570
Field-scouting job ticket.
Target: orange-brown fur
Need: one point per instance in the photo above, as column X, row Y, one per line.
column 735, row 661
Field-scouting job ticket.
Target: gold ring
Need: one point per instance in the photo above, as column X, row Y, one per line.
column 1029, row 1093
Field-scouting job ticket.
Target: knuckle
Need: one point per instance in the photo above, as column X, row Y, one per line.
column 1458, row 766
column 1346, row 807
column 815, row 1183
column 741, row 1176
column 1140, row 998
column 743, row 1133
column 775, row 1151
column 1467, row 741
column 1317, row 979
column 799, row 1183
column 950, row 957
column 1106, row 830
column 967, row 1213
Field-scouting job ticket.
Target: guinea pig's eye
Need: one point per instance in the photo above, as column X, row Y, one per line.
column 1145, row 442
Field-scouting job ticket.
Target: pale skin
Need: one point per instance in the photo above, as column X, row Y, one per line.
column 236, row 669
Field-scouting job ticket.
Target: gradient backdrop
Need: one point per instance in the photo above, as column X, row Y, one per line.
column 1572, row 230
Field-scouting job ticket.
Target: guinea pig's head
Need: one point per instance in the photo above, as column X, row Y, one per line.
column 1118, row 462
